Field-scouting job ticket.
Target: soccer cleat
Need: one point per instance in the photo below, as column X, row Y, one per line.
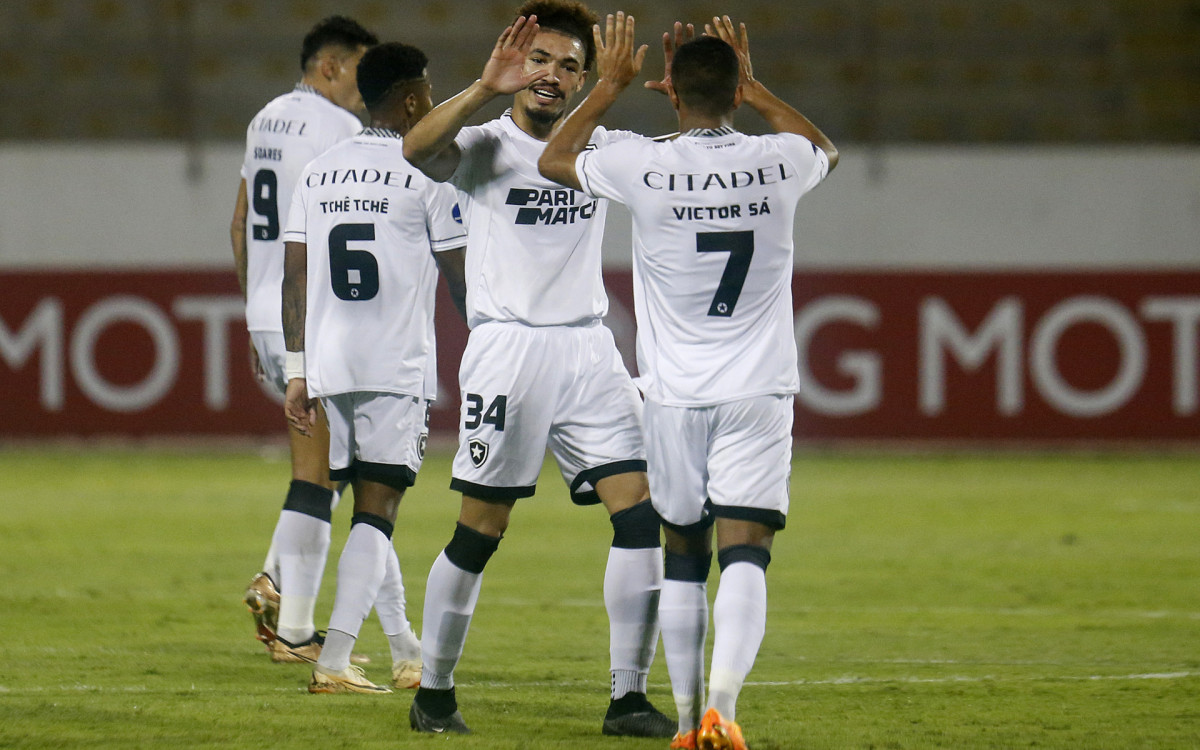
column 406, row 674
column 423, row 722
column 262, row 599
column 352, row 679
column 283, row 652
column 632, row 715
column 717, row 733
column 684, row 741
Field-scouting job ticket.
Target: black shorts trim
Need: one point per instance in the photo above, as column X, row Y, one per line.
column 770, row 518
column 491, row 494
column 692, row 529
column 595, row 474
column 397, row 477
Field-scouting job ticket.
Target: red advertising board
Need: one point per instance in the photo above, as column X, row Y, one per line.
column 973, row 356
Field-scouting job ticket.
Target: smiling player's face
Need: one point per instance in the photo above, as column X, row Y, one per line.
column 561, row 56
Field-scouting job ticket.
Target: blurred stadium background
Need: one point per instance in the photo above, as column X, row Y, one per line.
column 1010, row 250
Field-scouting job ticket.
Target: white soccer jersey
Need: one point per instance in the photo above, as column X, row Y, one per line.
column 284, row 136
column 372, row 222
column 533, row 253
column 712, row 240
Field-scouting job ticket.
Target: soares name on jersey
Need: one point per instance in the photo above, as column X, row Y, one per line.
column 741, row 178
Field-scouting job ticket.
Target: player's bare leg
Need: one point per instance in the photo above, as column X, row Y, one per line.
column 632, row 583
column 362, row 569
column 450, row 596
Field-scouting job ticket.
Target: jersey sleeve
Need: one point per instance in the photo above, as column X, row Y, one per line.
column 604, row 172
column 443, row 219
column 468, row 141
column 810, row 162
column 297, row 219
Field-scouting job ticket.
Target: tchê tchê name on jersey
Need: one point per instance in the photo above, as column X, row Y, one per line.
column 740, row 178
column 549, row 206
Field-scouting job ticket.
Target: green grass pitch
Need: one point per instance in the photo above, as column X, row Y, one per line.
column 916, row 601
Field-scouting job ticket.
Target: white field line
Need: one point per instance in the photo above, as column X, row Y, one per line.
column 1138, row 614
column 560, row 684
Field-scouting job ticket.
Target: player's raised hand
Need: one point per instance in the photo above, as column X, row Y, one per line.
column 671, row 43
column 723, row 29
column 504, row 72
column 299, row 408
column 616, row 59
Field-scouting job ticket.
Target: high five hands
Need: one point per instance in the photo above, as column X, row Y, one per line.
column 616, row 60
column 504, row 72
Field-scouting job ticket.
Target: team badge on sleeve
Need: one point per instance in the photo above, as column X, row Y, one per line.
column 479, row 451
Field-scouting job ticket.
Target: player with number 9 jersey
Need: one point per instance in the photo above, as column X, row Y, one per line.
column 282, row 138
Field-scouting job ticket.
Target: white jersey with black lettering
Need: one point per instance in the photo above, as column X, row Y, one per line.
column 285, row 135
column 712, row 261
column 533, row 253
column 371, row 222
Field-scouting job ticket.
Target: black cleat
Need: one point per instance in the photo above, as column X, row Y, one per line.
column 632, row 715
column 421, row 721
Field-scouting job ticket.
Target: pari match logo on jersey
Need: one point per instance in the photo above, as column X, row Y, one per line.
column 550, row 207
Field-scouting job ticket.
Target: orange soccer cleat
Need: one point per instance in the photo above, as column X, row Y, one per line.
column 717, row 733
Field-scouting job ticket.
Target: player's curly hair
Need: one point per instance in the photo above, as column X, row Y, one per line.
column 338, row 31
column 569, row 17
column 384, row 67
column 704, row 74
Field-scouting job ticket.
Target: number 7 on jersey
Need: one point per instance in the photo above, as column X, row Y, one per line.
column 740, row 246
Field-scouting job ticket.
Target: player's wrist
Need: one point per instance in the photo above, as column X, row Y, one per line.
column 293, row 365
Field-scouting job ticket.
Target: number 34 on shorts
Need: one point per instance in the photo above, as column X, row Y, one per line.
column 477, row 415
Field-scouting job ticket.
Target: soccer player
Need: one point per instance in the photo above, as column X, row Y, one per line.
column 712, row 257
column 366, row 235
column 540, row 370
column 283, row 137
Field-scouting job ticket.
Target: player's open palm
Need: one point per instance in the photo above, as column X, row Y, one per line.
column 615, row 55
column 298, row 407
column 504, row 72
column 723, row 29
column 670, row 44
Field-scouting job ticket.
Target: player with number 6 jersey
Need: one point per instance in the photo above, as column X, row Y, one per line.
column 366, row 235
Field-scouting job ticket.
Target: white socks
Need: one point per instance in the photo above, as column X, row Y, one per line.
column 301, row 546
column 683, row 613
column 361, row 572
column 739, row 621
column 390, row 607
column 450, row 597
column 633, row 580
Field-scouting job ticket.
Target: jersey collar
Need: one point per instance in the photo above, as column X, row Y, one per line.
column 381, row 132
column 306, row 89
column 708, row 132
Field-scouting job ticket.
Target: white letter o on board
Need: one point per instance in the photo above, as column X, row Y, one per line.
column 162, row 374
column 1130, row 341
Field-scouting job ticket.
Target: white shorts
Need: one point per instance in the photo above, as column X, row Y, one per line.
column 380, row 437
column 525, row 389
column 270, row 348
column 732, row 460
